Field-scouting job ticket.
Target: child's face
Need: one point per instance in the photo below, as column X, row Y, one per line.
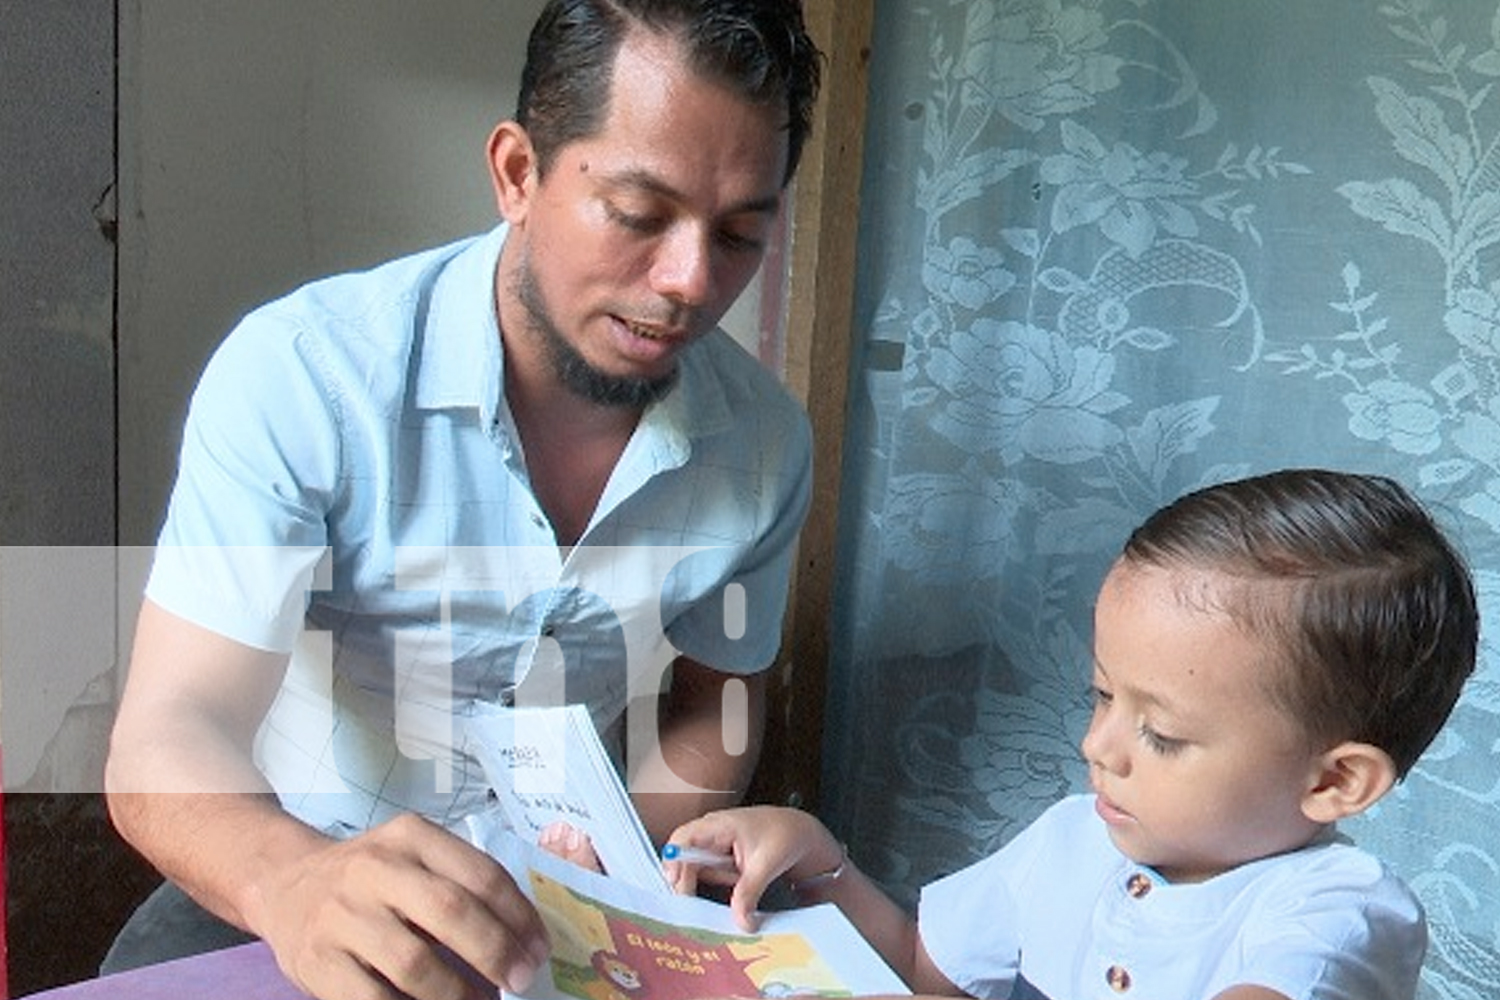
column 1196, row 768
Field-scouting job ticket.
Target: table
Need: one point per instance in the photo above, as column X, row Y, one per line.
column 246, row 972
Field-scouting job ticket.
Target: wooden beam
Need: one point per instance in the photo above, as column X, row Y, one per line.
column 819, row 331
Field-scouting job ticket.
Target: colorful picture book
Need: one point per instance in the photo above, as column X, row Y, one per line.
column 615, row 941
column 627, row 936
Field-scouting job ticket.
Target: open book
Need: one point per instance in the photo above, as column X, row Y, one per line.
column 615, row 941
column 548, row 764
column 628, row 936
column 625, row 937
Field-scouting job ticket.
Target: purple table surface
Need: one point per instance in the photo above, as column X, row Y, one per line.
column 247, row 972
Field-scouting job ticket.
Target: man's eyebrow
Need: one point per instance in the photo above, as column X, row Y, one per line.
column 642, row 180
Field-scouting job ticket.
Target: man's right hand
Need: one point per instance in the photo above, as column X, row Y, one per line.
column 403, row 907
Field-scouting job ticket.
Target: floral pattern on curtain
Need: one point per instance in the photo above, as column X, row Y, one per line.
column 1113, row 250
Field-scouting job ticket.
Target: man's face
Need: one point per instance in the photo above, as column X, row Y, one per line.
column 639, row 238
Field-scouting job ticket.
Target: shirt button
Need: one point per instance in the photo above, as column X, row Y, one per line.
column 538, row 520
column 1138, row 886
column 549, row 630
column 1118, row 978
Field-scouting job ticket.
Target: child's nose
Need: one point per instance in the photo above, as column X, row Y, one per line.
column 1102, row 746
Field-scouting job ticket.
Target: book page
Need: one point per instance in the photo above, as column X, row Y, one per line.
column 547, row 765
column 612, row 941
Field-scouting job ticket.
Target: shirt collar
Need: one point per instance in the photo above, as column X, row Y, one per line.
column 461, row 363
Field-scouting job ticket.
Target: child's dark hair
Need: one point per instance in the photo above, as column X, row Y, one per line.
column 1373, row 606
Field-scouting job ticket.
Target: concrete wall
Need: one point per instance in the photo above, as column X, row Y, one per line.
column 57, row 486
column 56, row 273
column 57, row 418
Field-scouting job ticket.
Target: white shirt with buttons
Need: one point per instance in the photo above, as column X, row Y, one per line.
column 1059, row 913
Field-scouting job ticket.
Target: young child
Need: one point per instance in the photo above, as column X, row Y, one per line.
column 1270, row 657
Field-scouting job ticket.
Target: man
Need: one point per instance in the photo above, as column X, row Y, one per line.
column 517, row 452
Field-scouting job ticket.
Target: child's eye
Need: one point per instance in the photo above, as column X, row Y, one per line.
column 1099, row 697
column 1166, row 746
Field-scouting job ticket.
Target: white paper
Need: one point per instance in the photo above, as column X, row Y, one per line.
column 548, row 765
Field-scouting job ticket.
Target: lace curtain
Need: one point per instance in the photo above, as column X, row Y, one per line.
column 1113, row 250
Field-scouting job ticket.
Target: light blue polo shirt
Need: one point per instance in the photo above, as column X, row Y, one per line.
column 352, row 490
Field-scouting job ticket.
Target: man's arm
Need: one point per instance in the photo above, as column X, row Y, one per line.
column 344, row 918
column 697, row 719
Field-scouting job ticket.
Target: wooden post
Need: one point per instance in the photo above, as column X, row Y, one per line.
column 819, row 319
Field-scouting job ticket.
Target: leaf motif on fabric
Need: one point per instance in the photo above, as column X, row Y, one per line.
column 1401, row 207
column 1422, row 134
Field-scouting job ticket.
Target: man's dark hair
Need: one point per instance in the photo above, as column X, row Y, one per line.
column 758, row 48
column 1352, row 579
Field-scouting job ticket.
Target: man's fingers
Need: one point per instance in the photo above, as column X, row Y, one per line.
column 470, row 903
column 414, row 965
column 412, row 905
column 404, row 967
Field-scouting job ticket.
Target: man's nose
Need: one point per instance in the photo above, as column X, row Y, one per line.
column 683, row 269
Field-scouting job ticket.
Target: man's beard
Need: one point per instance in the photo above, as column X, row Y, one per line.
column 572, row 369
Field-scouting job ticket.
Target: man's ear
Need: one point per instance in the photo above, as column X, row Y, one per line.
column 512, row 162
column 1348, row 779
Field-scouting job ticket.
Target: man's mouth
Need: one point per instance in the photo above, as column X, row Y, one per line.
column 647, row 332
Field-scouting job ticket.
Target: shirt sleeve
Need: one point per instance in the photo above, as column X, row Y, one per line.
column 976, row 923
column 245, row 526
column 971, row 922
column 965, row 923
column 742, row 634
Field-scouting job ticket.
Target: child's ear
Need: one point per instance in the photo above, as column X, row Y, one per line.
column 1348, row 779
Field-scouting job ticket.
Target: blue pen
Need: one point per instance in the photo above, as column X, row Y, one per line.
column 696, row 856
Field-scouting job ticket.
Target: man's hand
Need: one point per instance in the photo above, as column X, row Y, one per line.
column 403, row 908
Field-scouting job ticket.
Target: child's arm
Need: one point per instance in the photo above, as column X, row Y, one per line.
column 1250, row 993
column 769, row 842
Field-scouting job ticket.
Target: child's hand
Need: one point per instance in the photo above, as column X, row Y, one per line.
column 570, row 844
column 764, row 842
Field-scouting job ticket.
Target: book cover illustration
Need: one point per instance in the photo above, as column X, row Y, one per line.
column 601, row 952
column 612, row 940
